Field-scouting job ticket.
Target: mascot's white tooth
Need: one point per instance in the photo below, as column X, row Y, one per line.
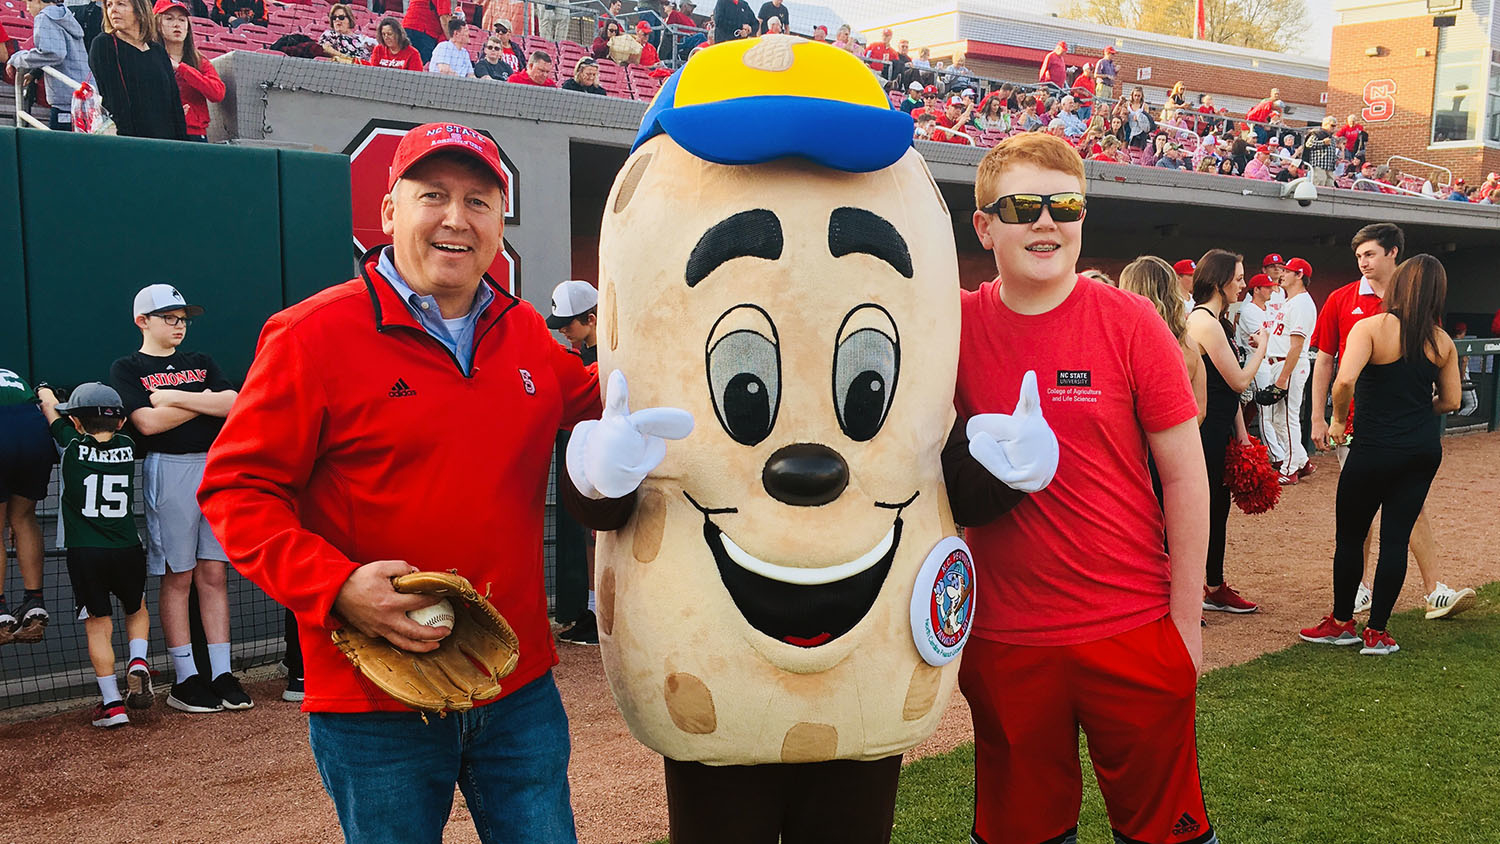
column 808, row 576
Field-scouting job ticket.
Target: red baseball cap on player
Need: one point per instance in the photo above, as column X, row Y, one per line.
column 1301, row 267
column 430, row 138
column 1273, row 260
column 1185, row 266
column 1261, row 280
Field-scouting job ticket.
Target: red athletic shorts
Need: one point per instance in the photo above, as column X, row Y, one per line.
column 1133, row 694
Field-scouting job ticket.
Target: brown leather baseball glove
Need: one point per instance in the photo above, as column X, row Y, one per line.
column 468, row 664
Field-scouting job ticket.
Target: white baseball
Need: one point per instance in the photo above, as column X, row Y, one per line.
column 437, row 615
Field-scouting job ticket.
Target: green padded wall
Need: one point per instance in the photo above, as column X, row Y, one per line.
column 14, row 350
column 316, row 223
column 128, row 212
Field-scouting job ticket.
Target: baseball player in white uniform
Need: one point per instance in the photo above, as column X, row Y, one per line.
column 1254, row 315
column 1290, row 362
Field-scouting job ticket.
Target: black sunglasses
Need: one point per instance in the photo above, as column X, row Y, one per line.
column 340, row 17
column 1027, row 207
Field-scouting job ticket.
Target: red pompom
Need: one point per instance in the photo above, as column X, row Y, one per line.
column 1252, row 482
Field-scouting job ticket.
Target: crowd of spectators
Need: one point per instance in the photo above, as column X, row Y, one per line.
column 1080, row 104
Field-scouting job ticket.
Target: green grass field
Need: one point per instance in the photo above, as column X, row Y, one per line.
column 1314, row 744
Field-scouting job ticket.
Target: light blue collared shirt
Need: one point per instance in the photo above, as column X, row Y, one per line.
column 457, row 334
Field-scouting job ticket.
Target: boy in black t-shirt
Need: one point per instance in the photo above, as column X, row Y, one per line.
column 177, row 401
column 104, row 551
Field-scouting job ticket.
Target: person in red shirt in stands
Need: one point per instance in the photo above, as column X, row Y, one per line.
column 1490, row 183
column 1083, row 91
column 1054, row 68
column 538, row 72
column 649, row 57
column 426, row 23
column 1089, row 620
column 394, row 50
column 881, row 53
column 955, row 117
column 1262, row 112
column 197, row 81
column 1353, row 136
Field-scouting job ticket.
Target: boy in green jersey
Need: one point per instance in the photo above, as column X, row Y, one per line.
column 97, row 527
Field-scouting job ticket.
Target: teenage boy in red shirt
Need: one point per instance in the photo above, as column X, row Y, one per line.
column 1087, row 621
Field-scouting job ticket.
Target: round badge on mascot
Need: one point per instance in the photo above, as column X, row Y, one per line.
column 777, row 261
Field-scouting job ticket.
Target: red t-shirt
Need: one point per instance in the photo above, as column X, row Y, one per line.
column 648, row 55
column 422, row 16
column 1350, row 134
column 880, row 52
column 521, row 77
column 1083, row 91
column 1261, row 112
column 1083, row 559
column 408, row 58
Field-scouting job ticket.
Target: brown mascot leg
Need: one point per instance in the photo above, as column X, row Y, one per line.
column 824, row 802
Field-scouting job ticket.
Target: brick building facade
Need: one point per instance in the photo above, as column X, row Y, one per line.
column 1387, row 73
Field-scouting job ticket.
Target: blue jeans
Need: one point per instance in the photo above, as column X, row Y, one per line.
column 391, row 776
column 424, row 43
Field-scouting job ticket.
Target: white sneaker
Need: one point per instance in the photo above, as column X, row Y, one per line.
column 1362, row 599
column 1445, row 602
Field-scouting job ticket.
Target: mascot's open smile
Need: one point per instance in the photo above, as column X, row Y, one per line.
column 801, row 606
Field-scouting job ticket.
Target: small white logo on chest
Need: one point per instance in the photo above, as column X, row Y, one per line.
column 526, row 382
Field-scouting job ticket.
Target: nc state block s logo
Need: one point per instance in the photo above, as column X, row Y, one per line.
column 1380, row 100
column 526, row 382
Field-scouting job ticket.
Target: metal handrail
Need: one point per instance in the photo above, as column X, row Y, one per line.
column 23, row 115
column 1424, row 164
column 1383, row 187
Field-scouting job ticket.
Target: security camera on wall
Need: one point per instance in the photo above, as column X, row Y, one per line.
column 1301, row 190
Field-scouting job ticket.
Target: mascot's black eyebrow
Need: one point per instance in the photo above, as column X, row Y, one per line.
column 852, row 230
column 748, row 234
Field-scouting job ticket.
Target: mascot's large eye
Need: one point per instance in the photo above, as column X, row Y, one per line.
column 865, row 365
column 744, row 373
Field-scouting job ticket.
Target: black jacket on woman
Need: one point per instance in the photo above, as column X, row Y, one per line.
column 138, row 88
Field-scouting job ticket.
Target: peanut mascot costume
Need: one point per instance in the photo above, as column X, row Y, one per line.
column 781, row 606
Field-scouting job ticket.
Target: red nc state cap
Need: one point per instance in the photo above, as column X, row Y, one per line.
column 163, row 5
column 429, row 138
column 1185, row 267
column 1261, row 280
column 1297, row 265
column 1272, row 260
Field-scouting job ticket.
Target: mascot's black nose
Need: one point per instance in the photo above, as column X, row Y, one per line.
column 805, row 474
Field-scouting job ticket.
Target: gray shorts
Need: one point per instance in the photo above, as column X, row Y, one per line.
column 178, row 533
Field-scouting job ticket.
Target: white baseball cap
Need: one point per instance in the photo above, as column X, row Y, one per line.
column 570, row 299
column 162, row 297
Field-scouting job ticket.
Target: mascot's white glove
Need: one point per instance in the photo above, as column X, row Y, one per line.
column 1019, row 449
column 609, row 457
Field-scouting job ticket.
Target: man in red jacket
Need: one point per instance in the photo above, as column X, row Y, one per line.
column 399, row 421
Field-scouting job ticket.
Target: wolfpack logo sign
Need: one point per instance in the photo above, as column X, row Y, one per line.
column 942, row 602
column 370, row 155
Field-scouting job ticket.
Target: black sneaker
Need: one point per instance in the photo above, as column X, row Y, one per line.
column 194, row 695
column 294, row 692
column 34, row 621
column 139, row 693
column 584, row 631
column 230, row 692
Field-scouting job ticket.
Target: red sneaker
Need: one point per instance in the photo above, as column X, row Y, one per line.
column 110, row 714
column 1378, row 643
column 1224, row 599
column 1307, row 471
column 1330, row 631
column 1287, row 480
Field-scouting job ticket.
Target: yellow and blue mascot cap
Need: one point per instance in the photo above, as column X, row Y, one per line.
column 760, row 99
